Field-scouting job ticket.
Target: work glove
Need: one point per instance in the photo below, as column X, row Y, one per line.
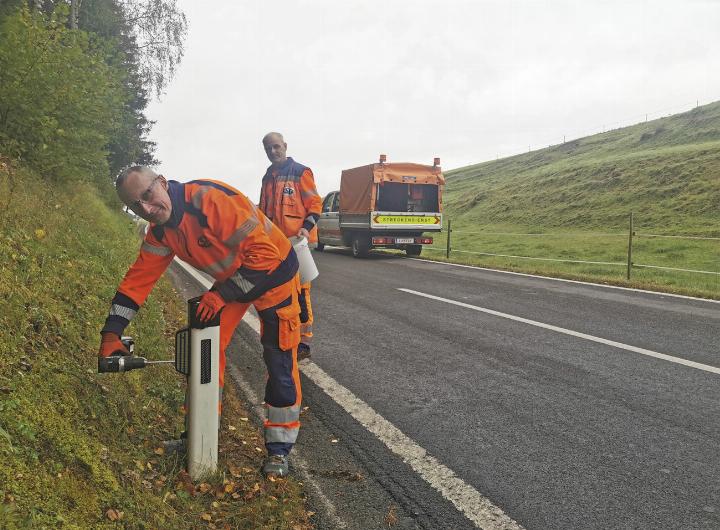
column 110, row 344
column 210, row 303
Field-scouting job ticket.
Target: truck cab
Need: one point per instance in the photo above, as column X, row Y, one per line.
column 329, row 222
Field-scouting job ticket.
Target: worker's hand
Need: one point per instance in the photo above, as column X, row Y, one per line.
column 110, row 344
column 303, row 233
column 210, row 303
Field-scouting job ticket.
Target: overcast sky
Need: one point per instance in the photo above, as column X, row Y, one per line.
column 467, row 81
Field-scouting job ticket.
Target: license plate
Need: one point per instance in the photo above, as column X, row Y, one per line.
column 404, row 240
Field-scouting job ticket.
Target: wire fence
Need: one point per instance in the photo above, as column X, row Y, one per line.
column 627, row 121
column 632, row 236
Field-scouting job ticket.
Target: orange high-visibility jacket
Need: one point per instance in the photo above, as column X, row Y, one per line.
column 289, row 198
column 218, row 230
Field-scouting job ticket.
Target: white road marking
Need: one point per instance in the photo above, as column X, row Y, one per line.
column 476, row 507
column 567, row 281
column 585, row 336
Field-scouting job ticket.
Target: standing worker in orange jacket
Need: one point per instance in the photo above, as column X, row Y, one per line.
column 288, row 197
column 216, row 229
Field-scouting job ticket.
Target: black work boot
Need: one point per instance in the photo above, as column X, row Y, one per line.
column 276, row 466
column 303, row 351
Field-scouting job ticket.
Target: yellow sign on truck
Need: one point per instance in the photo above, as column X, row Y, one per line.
column 394, row 219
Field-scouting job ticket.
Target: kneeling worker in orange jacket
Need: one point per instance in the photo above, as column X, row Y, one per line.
column 288, row 197
column 216, row 229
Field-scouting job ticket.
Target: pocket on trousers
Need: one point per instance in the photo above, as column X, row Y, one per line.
column 288, row 327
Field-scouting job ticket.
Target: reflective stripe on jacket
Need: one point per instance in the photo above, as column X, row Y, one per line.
column 289, row 198
column 216, row 229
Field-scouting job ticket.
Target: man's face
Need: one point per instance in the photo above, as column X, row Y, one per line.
column 147, row 196
column 275, row 149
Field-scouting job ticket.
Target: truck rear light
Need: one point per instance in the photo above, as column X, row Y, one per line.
column 382, row 240
column 424, row 240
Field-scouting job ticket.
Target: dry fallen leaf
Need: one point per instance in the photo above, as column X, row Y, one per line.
column 231, row 428
column 159, row 451
column 114, row 515
column 204, row 487
column 206, row 516
column 391, row 519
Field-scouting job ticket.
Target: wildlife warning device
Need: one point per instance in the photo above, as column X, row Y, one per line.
column 197, row 356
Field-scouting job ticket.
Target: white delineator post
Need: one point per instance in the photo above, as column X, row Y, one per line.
column 203, row 390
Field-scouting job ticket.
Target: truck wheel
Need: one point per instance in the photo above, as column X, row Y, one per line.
column 413, row 250
column 320, row 246
column 360, row 247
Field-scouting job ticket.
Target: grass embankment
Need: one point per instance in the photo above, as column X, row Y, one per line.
column 667, row 172
column 83, row 450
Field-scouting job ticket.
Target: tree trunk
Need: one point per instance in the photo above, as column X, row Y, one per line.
column 74, row 13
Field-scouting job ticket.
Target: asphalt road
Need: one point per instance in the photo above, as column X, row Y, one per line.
column 556, row 430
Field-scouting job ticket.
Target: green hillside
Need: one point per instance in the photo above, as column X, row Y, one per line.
column 667, row 171
column 580, row 194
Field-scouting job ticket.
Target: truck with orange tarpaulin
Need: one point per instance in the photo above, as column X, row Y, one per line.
column 384, row 205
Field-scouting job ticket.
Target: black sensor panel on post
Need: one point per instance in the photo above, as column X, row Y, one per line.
column 182, row 351
column 205, row 361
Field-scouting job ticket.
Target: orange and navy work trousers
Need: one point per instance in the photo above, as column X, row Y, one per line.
column 279, row 312
column 306, row 314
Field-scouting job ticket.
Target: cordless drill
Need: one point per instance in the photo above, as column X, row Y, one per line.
column 125, row 363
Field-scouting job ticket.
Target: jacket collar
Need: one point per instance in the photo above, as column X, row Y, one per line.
column 281, row 169
column 176, row 190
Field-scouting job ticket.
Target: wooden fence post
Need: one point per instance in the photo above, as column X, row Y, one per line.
column 629, row 252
